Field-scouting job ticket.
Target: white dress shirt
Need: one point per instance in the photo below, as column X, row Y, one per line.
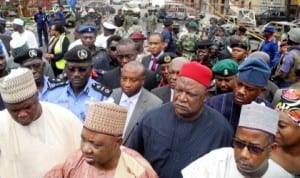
column 129, row 103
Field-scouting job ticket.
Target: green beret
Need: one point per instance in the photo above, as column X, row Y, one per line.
column 226, row 67
column 79, row 53
column 166, row 57
column 192, row 24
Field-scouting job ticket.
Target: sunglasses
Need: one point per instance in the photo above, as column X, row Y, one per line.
column 253, row 149
column 113, row 48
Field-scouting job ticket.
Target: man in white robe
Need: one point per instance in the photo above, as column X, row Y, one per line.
column 253, row 142
column 34, row 136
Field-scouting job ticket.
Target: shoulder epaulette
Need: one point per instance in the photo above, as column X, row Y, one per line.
column 56, row 82
column 102, row 89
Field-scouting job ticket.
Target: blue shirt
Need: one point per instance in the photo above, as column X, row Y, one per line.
column 65, row 97
column 60, row 15
column 170, row 143
column 271, row 48
column 167, row 37
column 40, row 19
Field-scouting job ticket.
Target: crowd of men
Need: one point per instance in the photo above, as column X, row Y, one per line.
column 129, row 103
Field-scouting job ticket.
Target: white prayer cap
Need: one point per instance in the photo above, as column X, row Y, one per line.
column 260, row 117
column 18, row 22
column 109, row 26
column 17, row 86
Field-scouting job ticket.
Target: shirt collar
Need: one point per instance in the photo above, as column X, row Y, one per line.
column 85, row 90
column 161, row 53
column 133, row 99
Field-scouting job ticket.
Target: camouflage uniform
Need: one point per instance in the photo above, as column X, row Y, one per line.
column 188, row 44
column 151, row 22
column 129, row 21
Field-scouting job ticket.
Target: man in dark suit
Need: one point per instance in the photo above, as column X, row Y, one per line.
column 134, row 97
column 156, row 47
column 126, row 52
column 165, row 93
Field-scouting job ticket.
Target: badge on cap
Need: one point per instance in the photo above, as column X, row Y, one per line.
column 32, row 53
column 226, row 72
column 82, row 54
column 167, row 58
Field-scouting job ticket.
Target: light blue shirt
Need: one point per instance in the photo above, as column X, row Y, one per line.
column 65, row 97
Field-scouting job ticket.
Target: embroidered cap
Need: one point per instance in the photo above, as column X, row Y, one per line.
column 166, row 58
column 17, row 86
column 260, row 117
column 106, row 118
column 79, row 53
column 30, row 54
column 18, row 21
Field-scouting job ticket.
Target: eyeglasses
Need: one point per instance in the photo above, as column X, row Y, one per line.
column 253, row 149
column 113, row 48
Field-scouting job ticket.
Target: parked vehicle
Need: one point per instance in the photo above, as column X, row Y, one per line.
column 281, row 27
column 272, row 15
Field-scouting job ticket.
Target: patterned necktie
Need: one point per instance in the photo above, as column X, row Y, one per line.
column 153, row 67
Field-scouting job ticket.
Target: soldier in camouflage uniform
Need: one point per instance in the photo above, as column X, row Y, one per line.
column 135, row 27
column 188, row 41
column 129, row 20
column 151, row 22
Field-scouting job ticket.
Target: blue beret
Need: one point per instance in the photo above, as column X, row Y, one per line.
column 226, row 67
column 87, row 29
column 30, row 54
column 270, row 29
column 254, row 71
column 79, row 53
column 2, row 21
column 166, row 58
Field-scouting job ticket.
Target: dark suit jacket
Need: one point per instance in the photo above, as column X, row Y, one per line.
column 146, row 102
column 112, row 78
column 164, row 93
column 146, row 61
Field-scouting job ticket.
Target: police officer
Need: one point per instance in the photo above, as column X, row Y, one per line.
column 40, row 18
column 80, row 89
column 225, row 73
column 33, row 60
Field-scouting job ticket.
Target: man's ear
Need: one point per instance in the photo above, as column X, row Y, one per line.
column 273, row 147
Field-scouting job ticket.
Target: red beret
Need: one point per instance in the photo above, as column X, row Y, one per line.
column 137, row 36
column 197, row 72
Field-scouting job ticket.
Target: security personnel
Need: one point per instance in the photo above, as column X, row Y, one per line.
column 164, row 61
column 33, row 60
column 80, row 89
column 188, row 42
column 41, row 23
column 225, row 73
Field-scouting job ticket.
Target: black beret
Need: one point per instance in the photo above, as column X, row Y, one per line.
column 32, row 53
column 79, row 53
column 166, row 57
column 204, row 44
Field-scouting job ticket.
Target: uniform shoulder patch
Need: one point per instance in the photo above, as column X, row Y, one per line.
column 56, row 82
column 104, row 90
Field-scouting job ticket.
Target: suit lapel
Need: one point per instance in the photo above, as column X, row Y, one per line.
column 137, row 112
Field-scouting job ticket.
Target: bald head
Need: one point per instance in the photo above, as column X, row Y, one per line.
column 132, row 78
column 261, row 55
column 174, row 69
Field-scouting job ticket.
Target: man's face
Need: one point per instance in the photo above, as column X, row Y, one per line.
column 78, row 73
column 88, row 39
column 112, row 50
column 16, row 27
column 245, row 93
column 173, row 70
column 36, row 66
column 164, row 71
column 126, row 54
column 132, row 79
column 238, row 53
column 189, row 97
column 202, row 54
column 225, row 84
column 26, row 111
column 2, row 63
column 156, row 45
column 253, row 158
column 98, row 149
column 288, row 133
